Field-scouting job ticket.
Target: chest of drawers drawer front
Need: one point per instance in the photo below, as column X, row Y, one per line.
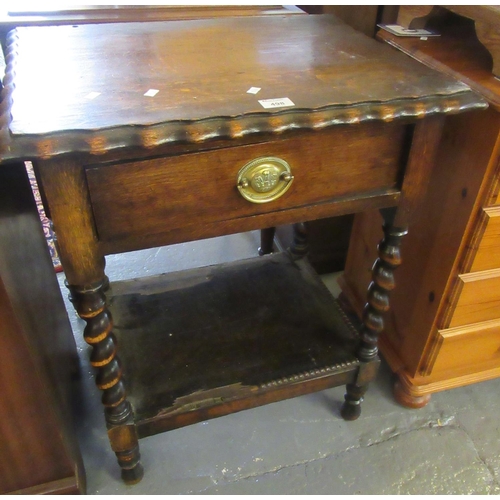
column 488, row 252
column 479, row 298
column 163, row 194
column 471, row 345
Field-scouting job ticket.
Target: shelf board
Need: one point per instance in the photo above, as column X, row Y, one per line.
column 206, row 342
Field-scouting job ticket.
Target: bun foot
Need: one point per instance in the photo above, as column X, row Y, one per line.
column 133, row 476
column 405, row 398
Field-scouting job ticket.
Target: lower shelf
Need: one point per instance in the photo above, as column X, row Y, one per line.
column 206, row 342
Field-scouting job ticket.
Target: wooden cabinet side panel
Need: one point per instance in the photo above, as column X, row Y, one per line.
column 463, row 178
column 430, row 250
column 37, row 350
column 362, row 17
column 32, row 451
column 414, row 15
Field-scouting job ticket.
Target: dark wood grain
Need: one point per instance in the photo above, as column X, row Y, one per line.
column 425, row 143
column 328, row 242
column 177, row 192
column 484, row 18
column 361, row 17
column 308, row 59
column 38, row 452
column 144, row 171
column 94, row 14
column 193, row 232
column 73, row 220
column 266, row 240
column 84, row 268
column 457, row 53
column 90, row 303
column 237, row 333
column 417, row 175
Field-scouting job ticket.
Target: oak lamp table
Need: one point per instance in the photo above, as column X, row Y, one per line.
column 157, row 133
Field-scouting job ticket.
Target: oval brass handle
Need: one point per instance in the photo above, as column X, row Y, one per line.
column 264, row 179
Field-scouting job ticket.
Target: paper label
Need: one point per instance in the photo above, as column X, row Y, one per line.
column 151, row 93
column 253, row 90
column 398, row 30
column 281, row 102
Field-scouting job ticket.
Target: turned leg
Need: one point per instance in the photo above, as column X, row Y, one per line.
column 389, row 258
column 64, row 185
column 299, row 246
column 421, row 158
column 90, row 303
column 266, row 240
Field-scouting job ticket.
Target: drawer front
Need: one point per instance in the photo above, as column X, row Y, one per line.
column 153, row 196
column 488, row 252
column 473, row 346
column 479, row 298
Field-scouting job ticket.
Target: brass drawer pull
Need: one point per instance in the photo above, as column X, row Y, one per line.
column 264, row 179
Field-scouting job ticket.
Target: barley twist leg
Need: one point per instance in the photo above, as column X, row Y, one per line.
column 90, row 303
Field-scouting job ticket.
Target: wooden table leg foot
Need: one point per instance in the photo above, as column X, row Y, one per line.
column 405, row 398
column 351, row 409
column 133, row 476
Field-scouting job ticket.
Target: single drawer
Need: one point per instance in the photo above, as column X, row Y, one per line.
column 156, row 195
column 488, row 252
column 476, row 345
column 479, row 298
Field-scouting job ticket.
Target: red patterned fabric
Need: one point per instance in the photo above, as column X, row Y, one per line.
column 47, row 229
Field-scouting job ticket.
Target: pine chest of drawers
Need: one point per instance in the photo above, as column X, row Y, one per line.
column 444, row 331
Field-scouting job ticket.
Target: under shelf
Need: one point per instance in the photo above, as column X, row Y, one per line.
column 207, row 342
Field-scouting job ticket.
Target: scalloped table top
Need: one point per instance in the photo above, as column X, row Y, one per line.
column 94, row 88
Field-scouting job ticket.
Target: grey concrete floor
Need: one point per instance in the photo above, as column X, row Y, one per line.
column 301, row 445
